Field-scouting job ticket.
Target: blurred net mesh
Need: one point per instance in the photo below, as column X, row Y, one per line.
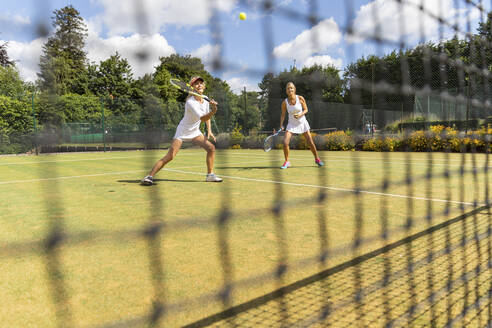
column 433, row 270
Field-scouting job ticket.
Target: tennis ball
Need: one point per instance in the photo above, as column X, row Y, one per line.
column 242, row 16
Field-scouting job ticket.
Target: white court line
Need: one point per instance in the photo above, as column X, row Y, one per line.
column 362, row 159
column 87, row 159
column 366, row 160
column 244, row 179
column 329, row 188
column 68, row 177
column 103, row 174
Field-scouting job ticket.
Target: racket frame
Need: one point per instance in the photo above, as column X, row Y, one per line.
column 267, row 139
column 185, row 87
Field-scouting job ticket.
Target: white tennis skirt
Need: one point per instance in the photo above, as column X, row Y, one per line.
column 298, row 126
column 184, row 135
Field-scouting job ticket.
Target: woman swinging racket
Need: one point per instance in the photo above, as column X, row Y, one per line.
column 197, row 110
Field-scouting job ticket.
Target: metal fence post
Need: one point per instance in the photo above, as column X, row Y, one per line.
column 103, row 125
column 34, row 124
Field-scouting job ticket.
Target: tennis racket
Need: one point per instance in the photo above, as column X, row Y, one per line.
column 270, row 140
column 185, row 87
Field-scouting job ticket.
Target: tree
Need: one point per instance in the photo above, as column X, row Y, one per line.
column 180, row 67
column 249, row 117
column 485, row 34
column 4, row 57
column 11, row 84
column 113, row 77
column 15, row 116
column 485, row 28
column 161, row 79
column 63, row 66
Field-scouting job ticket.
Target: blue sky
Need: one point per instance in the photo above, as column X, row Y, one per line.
column 182, row 26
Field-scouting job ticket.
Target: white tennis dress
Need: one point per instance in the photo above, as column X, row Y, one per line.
column 189, row 127
column 296, row 125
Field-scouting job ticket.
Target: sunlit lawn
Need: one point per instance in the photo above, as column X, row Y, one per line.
column 96, row 199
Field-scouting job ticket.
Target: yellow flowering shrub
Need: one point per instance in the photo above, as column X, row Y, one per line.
column 419, row 141
column 303, row 143
column 339, row 140
column 378, row 144
column 236, row 136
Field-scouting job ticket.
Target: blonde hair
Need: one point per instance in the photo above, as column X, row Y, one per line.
column 290, row 83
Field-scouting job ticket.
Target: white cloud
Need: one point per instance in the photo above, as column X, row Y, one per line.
column 154, row 46
column 395, row 21
column 26, row 56
column 323, row 61
column 237, row 84
column 207, row 53
column 151, row 16
column 14, row 19
column 315, row 40
column 13, row 25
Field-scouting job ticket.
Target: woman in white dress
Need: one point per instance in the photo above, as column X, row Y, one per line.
column 296, row 108
column 197, row 110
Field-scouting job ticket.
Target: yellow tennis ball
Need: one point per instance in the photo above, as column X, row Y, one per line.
column 242, row 16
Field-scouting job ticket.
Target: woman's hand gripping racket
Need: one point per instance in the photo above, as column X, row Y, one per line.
column 185, row 87
column 270, row 140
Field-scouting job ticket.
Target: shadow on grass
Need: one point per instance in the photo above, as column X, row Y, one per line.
column 156, row 181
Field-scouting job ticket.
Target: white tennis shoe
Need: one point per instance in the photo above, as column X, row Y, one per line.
column 147, row 181
column 213, row 178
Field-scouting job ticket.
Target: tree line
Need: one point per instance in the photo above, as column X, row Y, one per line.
column 69, row 88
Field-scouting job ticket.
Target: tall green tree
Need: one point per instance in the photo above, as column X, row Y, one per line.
column 11, row 84
column 112, row 76
column 63, row 64
column 485, row 28
column 485, row 44
column 249, row 116
column 161, row 79
column 4, row 57
column 180, row 67
column 183, row 67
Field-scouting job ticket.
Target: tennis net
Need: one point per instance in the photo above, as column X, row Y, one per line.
column 417, row 247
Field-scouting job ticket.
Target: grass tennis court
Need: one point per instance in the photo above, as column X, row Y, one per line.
column 103, row 209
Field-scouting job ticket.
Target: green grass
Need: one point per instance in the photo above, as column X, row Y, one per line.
column 108, row 279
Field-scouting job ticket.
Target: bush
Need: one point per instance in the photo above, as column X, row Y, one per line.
column 15, row 116
column 382, row 144
column 253, row 141
column 419, row 141
column 339, row 140
column 418, row 125
column 303, row 143
column 236, row 136
column 16, row 143
column 223, row 141
column 319, row 141
column 373, row 144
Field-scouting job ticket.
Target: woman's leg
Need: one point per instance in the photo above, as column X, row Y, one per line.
column 171, row 153
column 209, row 148
column 287, row 137
column 312, row 146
